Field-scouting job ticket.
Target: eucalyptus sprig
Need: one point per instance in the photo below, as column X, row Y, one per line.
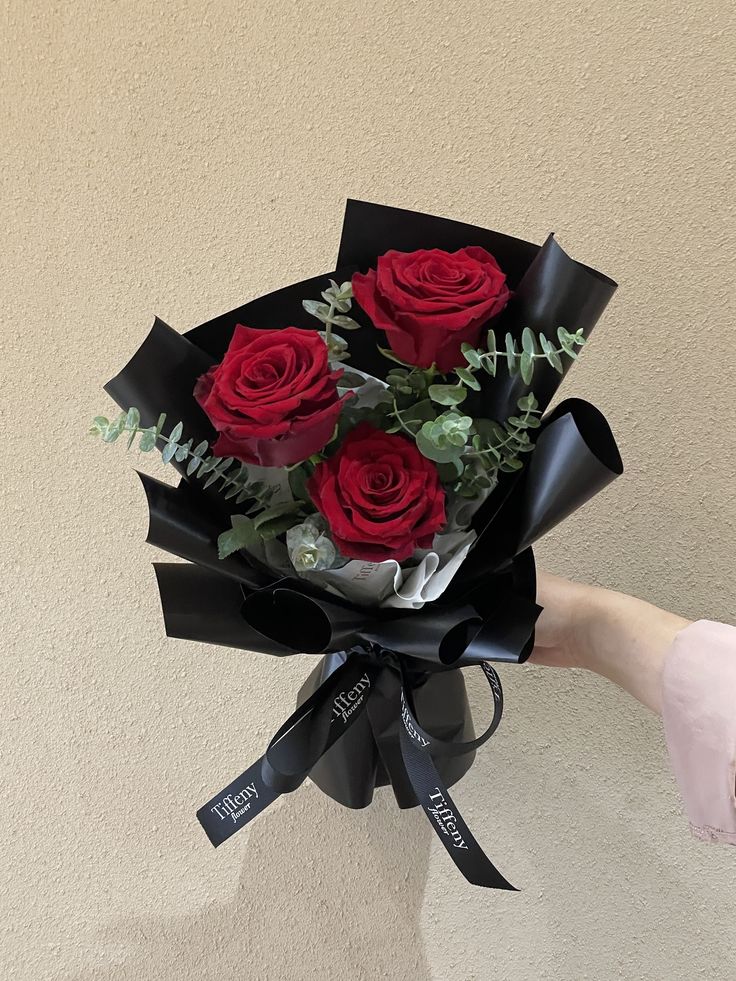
column 470, row 452
column 498, row 446
column 332, row 313
column 534, row 347
column 232, row 473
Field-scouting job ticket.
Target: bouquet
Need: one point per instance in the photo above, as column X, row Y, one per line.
column 366, row 460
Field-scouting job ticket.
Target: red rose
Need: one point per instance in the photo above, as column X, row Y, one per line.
column 272, row 398
column 430, row 302
column 381, row 498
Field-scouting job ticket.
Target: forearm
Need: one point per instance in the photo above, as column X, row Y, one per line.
column 625, row 640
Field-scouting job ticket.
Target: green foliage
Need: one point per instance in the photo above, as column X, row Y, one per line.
column 534, row 347
column 241, row 535
column 447, row 394
column 332, row 312
column 274, row 521
column 498, row 446
column 445, row 438
column 262, row 520
column 232, row 474
column 471, row 453
column 247, row 532
column 388, row 353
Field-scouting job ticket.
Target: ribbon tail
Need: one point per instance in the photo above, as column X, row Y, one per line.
column 300, row 742
column 436, row 802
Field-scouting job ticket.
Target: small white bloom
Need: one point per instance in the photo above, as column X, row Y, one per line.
column 310, row 550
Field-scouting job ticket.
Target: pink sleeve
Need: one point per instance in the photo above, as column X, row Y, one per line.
column 699, row 713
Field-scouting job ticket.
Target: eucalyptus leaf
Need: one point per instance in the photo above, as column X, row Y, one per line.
column 168, row 452
column 526, row 366
column 148, row 440
column 241, row 535
column 471, row 355
column 554, row 359
column 468, row 378
column 277, row 526
column 114, row 429
column 290, row 507
column 447, row 394
column 511, row 354
column 489, row 429
column 345, row 323
column 528, row 341
column 422, row 411
column 182, row 451
column 433, row 452
column 298, row 478
column 387, row 353
column 490, row 362
column 317, row 309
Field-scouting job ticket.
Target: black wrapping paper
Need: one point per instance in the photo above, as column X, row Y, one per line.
column 414, row 727
column 160, row 377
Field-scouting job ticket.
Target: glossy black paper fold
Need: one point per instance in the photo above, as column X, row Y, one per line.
column 555, row 291
column 369, row 230
column 179, row 522
column 160, row 377
column 575, row 457
column 203, row 606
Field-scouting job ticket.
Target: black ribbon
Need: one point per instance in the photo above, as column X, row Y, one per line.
column 321, row 721
column 300, row 742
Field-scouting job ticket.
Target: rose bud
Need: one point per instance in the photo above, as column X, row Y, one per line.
column 272, row 398
column 430, row 302
column 380, row 497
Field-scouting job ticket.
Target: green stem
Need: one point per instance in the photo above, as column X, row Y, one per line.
column 210, row 467
column 512, row 435
column 328, row 326
column 397, row 415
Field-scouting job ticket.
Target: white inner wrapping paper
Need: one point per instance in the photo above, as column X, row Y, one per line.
column 387, row 584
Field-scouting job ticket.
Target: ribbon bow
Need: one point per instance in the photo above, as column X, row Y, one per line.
column 367, row 681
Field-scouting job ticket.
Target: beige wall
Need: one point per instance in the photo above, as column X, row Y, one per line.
column 180, row 158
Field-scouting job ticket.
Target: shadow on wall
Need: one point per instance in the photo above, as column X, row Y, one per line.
column 349, row 909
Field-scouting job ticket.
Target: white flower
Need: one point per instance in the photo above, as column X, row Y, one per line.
column 310, row 550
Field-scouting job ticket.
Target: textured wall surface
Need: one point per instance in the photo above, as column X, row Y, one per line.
column 178, row 158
